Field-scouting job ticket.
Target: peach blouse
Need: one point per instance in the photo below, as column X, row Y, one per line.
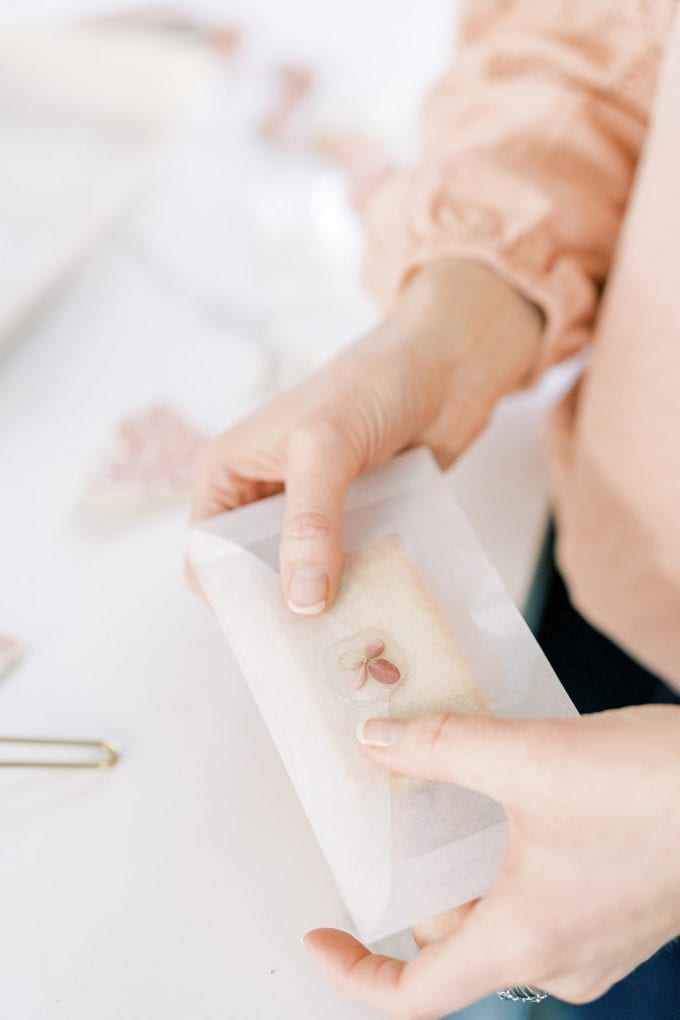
column 551, row 152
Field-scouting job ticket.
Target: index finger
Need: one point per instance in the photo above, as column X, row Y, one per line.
column 446, row 976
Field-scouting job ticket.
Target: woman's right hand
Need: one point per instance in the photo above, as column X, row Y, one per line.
column 457, row 339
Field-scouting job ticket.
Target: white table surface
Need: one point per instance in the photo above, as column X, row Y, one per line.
column 179, row 884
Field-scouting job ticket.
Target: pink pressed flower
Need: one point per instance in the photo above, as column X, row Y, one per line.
column 370, row 664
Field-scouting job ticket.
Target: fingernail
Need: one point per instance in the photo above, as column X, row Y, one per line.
column 307, row 590
column 380, row 732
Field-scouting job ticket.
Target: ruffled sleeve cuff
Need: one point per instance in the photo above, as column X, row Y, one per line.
column 415, row 219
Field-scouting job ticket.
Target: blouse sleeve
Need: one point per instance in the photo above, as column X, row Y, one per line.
column 528, row 153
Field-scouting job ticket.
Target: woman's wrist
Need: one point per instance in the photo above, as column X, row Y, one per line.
column 477, row 322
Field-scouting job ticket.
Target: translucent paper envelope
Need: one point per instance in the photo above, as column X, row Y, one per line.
column 422, row 623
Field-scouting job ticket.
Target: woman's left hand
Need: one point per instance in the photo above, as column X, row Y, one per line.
column 590, row 882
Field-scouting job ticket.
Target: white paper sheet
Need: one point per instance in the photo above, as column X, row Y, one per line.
column 400, row 850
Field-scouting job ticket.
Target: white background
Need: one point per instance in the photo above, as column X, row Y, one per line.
column 179, row 884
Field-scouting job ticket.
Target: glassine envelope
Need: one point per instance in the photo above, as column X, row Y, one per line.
column 422, row 623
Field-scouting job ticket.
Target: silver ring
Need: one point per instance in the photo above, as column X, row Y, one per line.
column 522, row 993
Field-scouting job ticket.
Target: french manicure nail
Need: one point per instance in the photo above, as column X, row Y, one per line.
column 380, row 732
column 308, row 590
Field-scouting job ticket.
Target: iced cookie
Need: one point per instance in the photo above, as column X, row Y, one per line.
column 382, row 591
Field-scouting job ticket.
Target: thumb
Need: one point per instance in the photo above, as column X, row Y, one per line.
column 480, row 752
column 319, row 471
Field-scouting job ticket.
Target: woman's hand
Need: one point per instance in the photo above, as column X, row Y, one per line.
column 458, row 338
column 590, row 883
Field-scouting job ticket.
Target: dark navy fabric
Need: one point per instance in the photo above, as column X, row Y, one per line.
column 598, row 675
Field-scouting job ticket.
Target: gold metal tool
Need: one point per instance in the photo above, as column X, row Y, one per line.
column 106, row 755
